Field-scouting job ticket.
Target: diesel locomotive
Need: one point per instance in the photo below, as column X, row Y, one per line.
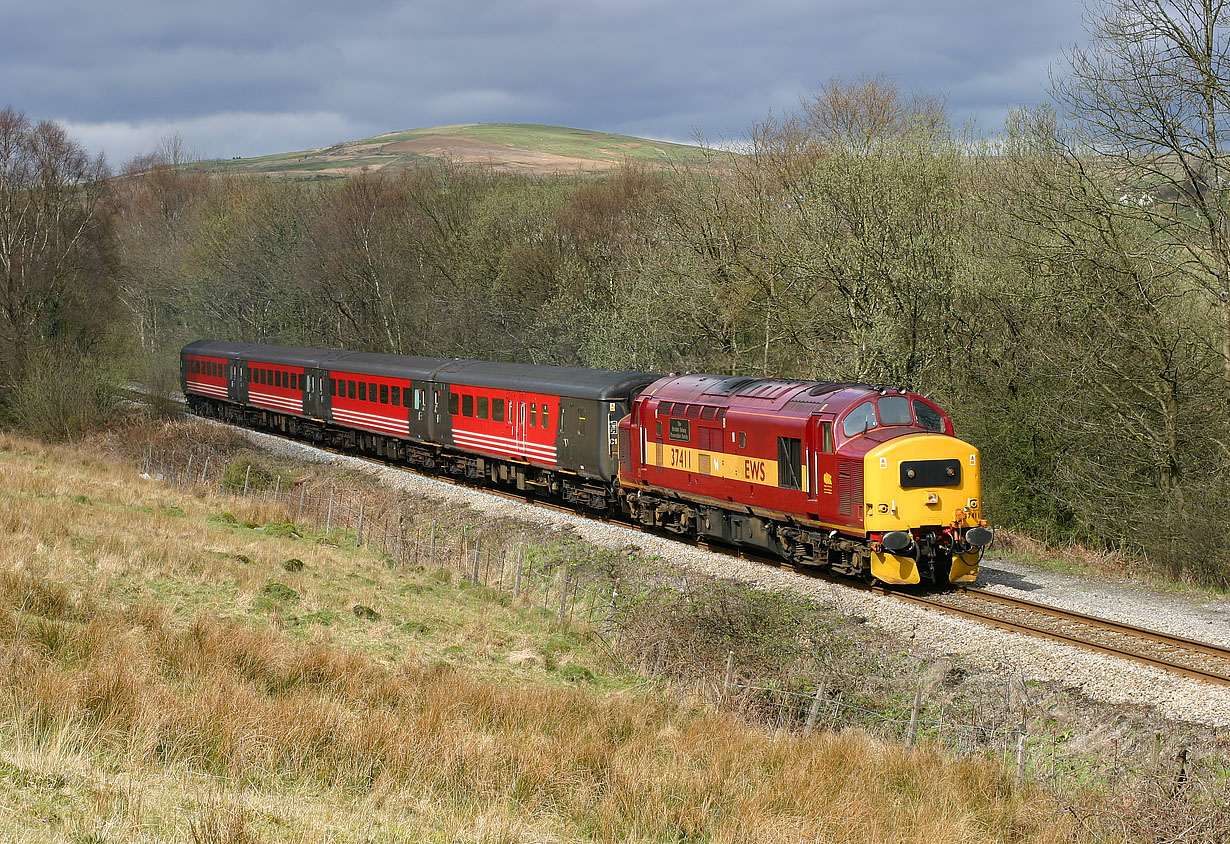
column 862, row 480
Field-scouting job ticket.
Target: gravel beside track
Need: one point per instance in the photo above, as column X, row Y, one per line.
column 978, row 646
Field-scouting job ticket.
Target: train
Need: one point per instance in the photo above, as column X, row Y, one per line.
column 861, row 480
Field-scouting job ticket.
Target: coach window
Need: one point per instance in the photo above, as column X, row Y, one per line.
column 454, row 400
column 350, row 389
column 862, row 418
column 483, row 407
column 362, row 391
column 395, row 398
column 384, row 393
column 497, row 410
column 420, row 399
column 467, row 405
column 545, row 422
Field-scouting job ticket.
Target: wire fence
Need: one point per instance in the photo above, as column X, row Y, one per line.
column 489, row 556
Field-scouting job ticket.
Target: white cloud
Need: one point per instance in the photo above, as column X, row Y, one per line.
column 220, row 135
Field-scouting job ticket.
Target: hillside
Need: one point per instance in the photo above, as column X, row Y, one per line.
column 524, row 148
column 188, row 665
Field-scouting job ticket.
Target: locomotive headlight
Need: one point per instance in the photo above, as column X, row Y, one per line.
column 979, row 537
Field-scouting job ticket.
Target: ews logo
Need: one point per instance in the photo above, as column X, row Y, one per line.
column 755, row 470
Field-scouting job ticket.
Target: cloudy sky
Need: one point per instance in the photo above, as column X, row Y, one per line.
column 252, row 77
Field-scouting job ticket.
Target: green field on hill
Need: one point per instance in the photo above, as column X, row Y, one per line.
column 527, row 148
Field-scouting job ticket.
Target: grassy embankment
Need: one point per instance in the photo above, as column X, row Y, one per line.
column 159, row 685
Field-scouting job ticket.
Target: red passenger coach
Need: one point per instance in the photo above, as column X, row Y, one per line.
column 206, row 375
column 371, row 402
column 275, row 386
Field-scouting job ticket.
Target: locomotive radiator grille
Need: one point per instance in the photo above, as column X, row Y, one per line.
column 849, row 486
column 625, row 451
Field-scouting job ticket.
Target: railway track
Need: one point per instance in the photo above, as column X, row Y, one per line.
column 1174, row 654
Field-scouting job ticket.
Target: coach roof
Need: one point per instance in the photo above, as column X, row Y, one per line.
column 574, row 382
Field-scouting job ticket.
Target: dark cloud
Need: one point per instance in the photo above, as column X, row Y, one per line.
column 260, row 76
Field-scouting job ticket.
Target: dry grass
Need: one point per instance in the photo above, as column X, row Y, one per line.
column 136, row 713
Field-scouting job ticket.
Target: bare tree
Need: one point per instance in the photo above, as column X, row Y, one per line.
column 1149, row 100
column 55, row 245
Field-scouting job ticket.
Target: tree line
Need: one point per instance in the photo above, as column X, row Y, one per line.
column 1063, row 287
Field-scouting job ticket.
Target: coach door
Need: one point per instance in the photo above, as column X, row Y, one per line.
column 237, row 381
column 520, row 431
column 315, row 394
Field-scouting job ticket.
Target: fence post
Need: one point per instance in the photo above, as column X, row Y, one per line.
column 478, row 544
column 912, row 735
column 277, row 488
column 1020, row 756
column 563, row 596
column 730, row 675
column 188, row 471
column 247, row 472
column 431, row 559
column 302, row 493
column 814, row 710
column 359, row 534
column 401, row 538
column 517, row 579
column 329, row 517
column 206, row 469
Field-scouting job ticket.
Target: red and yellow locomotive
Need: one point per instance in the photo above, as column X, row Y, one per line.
column 864, row 481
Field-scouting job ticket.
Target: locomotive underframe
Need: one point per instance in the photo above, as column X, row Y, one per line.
column 776, row 533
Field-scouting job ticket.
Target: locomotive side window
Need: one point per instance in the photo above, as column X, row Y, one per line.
column 497, row 410
column 862, row 418
column 928, row 417
column 894, row 410
column 789, row 463
column 826, row 437
column 483, row 407
column 467, row 405
column 743, row 439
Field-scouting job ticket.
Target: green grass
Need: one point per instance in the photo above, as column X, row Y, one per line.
column 602, row 149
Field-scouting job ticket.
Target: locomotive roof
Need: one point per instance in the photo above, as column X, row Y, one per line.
column 776, row 394
column 575, row 382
